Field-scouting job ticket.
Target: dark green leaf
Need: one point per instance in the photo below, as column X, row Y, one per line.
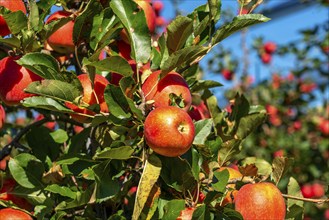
column 178, row 31
column 61, row 190
column 114, row 64
column 45, row 103
column 120, row 153
column 11, row 42
column 16, row 21
column 238, row 23
column 221, row 179
column 81, row 199
column 249, row 123
column 173, row 208
column 280, row 166
column 202, row 130
column 228, row 150
column 27, row 170
column 204, row 84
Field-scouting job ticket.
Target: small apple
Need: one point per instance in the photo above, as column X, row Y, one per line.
column 307, row 87
column 157, row 6
column 14, row 214
column 227, row 74
column 160, row 91
column 318, row 190
column 160, row 21
column 232, row 192
column 269, row 47
column 13, row 80
column 272, row 110
column 307, row 191
column 260, row 201
column 77, row 129
column 3, row 163
column 90, row 96
column 279, row 153
column 199, row 112
column 186, row 214
column 16, row 5
column 266, row 58
column 323, row 126
column 2, row 116
column 62, row 39
column 169, row 131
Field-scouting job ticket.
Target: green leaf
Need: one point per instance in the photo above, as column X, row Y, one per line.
column 280, row 166
column 201, row 85
column 116, row 99
column 114, row 64
column 136, row 27
column 238, row 23
column 42, row 64
column 11, row 42
column 42, row 143
column 27, row 170
column 84, row 22
column 264, row 167
column 178, row 31
column 228, row 150
column 61, row 190
column 149, row 177
column 60, row 136
column 120, row 153
column 34, row 17
column 214, row 8
column 173, row 208
column 179, row 57
column 45, row 103
column 81, row 199
column 16, row 21
column 221, row 179
column 54, row 89
column 202, row 130
column 249, row 123
column 294, row 190
column 106, row 187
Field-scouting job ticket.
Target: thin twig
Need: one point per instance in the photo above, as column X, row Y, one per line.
column 318, row 201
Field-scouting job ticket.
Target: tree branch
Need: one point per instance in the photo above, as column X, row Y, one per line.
column 318, row 201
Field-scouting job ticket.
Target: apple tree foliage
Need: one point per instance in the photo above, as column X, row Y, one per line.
column 106, row 170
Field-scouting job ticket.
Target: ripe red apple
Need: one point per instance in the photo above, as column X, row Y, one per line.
column 279, row 153
column 2, row 116
column 186, row 214
column 160, row 91
column 227, row 74
column 14, row 214
column 269, row 47
column 157, row 6
column 199, row 112
column 307, row 191
column 272, row 110
column 3, row 163
column 266, row 58
column 90, row 96
column 16, row 5
column 318, row 190
column 260, row 201
column 13, row 80
column 324, row 127
column 232, row 192
column 6, row 194
column 169, row 131
column 149, row 13
column 62, row 39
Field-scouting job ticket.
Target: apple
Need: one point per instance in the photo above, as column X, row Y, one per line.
column 266, row 58
column 16, row 5
column 6, row 194
column 51, row 125
column 62, row 39
column 2, row 116
column 186, row 214
column 269, row 47
column 297, row 125
column 318, row 190
column 279, row 153
column 160, row 21
column 231, row 193
column 227, row 74
column 260, row 201
column 90, row 96
column 160, row 91
column 124, row 49
column 272, row 110
column 199, row 112
column 307, row 87
column 14, row 214
column 169, row 131
column 323, row 126
column 77, row 129
column 3, row 163
column 13, row 80
column 157, row 6
column 149, row 13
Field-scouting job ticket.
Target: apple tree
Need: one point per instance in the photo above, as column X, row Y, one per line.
column 105, row 117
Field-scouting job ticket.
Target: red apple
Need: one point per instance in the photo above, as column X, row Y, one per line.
column 260, row 201
column 318, row 190
column 279, row 153
column 169, row 131
column 266, row 58
column 16, row 5
column 160, row 91
column 14, row 214
column 199, row 112
column 77, row 129
column 3, row 163
column 62, row 39
column 227, row 74
column 2, row 116
column 272, row 110
column 160, row 21
column 269, row 47
column 307, row 87
column 90, row 96
column 157, row 6
column 307, row 191
column 186, row 214
column 13, row 80
column 149, row 13
column 51, row 125
column 324, row 127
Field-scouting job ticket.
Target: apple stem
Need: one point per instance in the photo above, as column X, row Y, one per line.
column 318, row 201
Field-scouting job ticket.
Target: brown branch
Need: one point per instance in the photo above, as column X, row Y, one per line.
column 318, row 201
